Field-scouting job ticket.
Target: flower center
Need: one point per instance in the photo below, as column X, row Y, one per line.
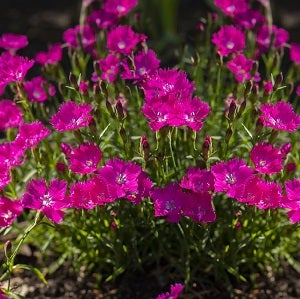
column 230, row 178
column 121, row 45
column 230, row 45
column 46, row 200
column 121, row 178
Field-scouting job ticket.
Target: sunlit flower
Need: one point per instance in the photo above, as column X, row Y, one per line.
column 119, row 7
column 280, row 116
column 85, row 158
column 38, row 89
column 71, row 116
column 109, row 67
column 10, row 114
column 229, row 40
column 50, row 200
column 13, row 42
column 232, row 7
column 9, row 211
column 102, row 18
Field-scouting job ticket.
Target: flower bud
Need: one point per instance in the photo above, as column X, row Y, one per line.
column 228, row 135
column 242, row 108
column 248, row 88
column 145, row 147
column 7, row 249
column 109, row 108
column 259, row 125
column 60, row 166
column 232, row 110
column 73, row 81
column 290, row 167
column 206, row 147
column 278, row 81
column 123, row 135
column 268, row 87
column 119, row 109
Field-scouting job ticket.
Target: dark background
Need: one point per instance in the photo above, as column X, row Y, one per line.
column 44, row 21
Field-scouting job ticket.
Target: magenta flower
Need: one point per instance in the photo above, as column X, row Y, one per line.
column 83, row 195
column 241, row 67
column 50, row 200
column 71, row 116
column 175, row 291
column 295, row 53
column 144, row 64
column 5, row 177
column 13, row 68
column 169, row 202
column 280, row 116
column 30, row 134
column 231, row 174
column 86, row 35
column 119, row 7
column 53, row 55
column 268, row 87
column 292, row 202
column 229, row 40
column 110, row 67
column 123, row 39
column 124, row 180
column 272, row 197
column 102, row 18
column 198, row 180
column 13, row 42
column 249, row 19
column 167, row 81
column 10, row 114
column 266, row 158
column 265, row 35
column 85, row 158
column 232, row 7
column 11, row 154
column 9, row 211
column 38, row 89
column 198, row 207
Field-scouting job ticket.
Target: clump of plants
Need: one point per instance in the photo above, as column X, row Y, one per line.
column 118, row 163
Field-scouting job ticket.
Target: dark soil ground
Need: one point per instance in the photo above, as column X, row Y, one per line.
column 43, row 22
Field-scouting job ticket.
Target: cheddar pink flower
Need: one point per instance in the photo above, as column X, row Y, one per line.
column 50, row 200
column 295, row 53
column 53, row 55
column 85, row 158
column 280, row 116
column 10, row 114
column 266, row 158
column 71, row 116
column 9, row 211
column 229, row 40
column 13, row 42
column 119, row 7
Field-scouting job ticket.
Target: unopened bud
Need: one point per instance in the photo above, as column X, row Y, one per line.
column 97, row 68
column 278, row 81
column 109, row 108
column 259, row 125
column 145, row 147
column 232, row 110
column 119, row 109
column 206, row 147
column 73, row 81
column 123, row 135
column 248, row 88
column 290, row 167
column 60, row 166
column 7, row 249
column 103, row 89
column 242, row 108
column 228, row 135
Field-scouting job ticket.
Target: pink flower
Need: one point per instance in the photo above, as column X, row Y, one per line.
column 298, row 90
column 11, row 154
column 231, row 174
column 175, row 291
column 86, row 35
column 84, row 87
column 249, row 19
column 198, row 207
column 144, row 64
column 280, row 116
column 50, row 200
column 293, row 199
column 38, row 89
column 13, row 42
column 13, row 68
column 295, row 53
column 83, row 195
column 265, row 37
column 266, row 158
column 110, row 67
column 71, row 116
column 85, row 158
column 229, row 40
column 123, row 39
column 168, row 201
column 10, row 114
column 5, row 178
column 53, row 55
column 241, row 67
column 124, row 180
column 165, row 82
column 9, row 211
column 102, row 18
column 232, row 7
column 119, row 7
column 30, row 134
column 268, row 87
column 198, row 180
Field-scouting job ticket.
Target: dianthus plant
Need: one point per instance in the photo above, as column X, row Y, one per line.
column 122, row 162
